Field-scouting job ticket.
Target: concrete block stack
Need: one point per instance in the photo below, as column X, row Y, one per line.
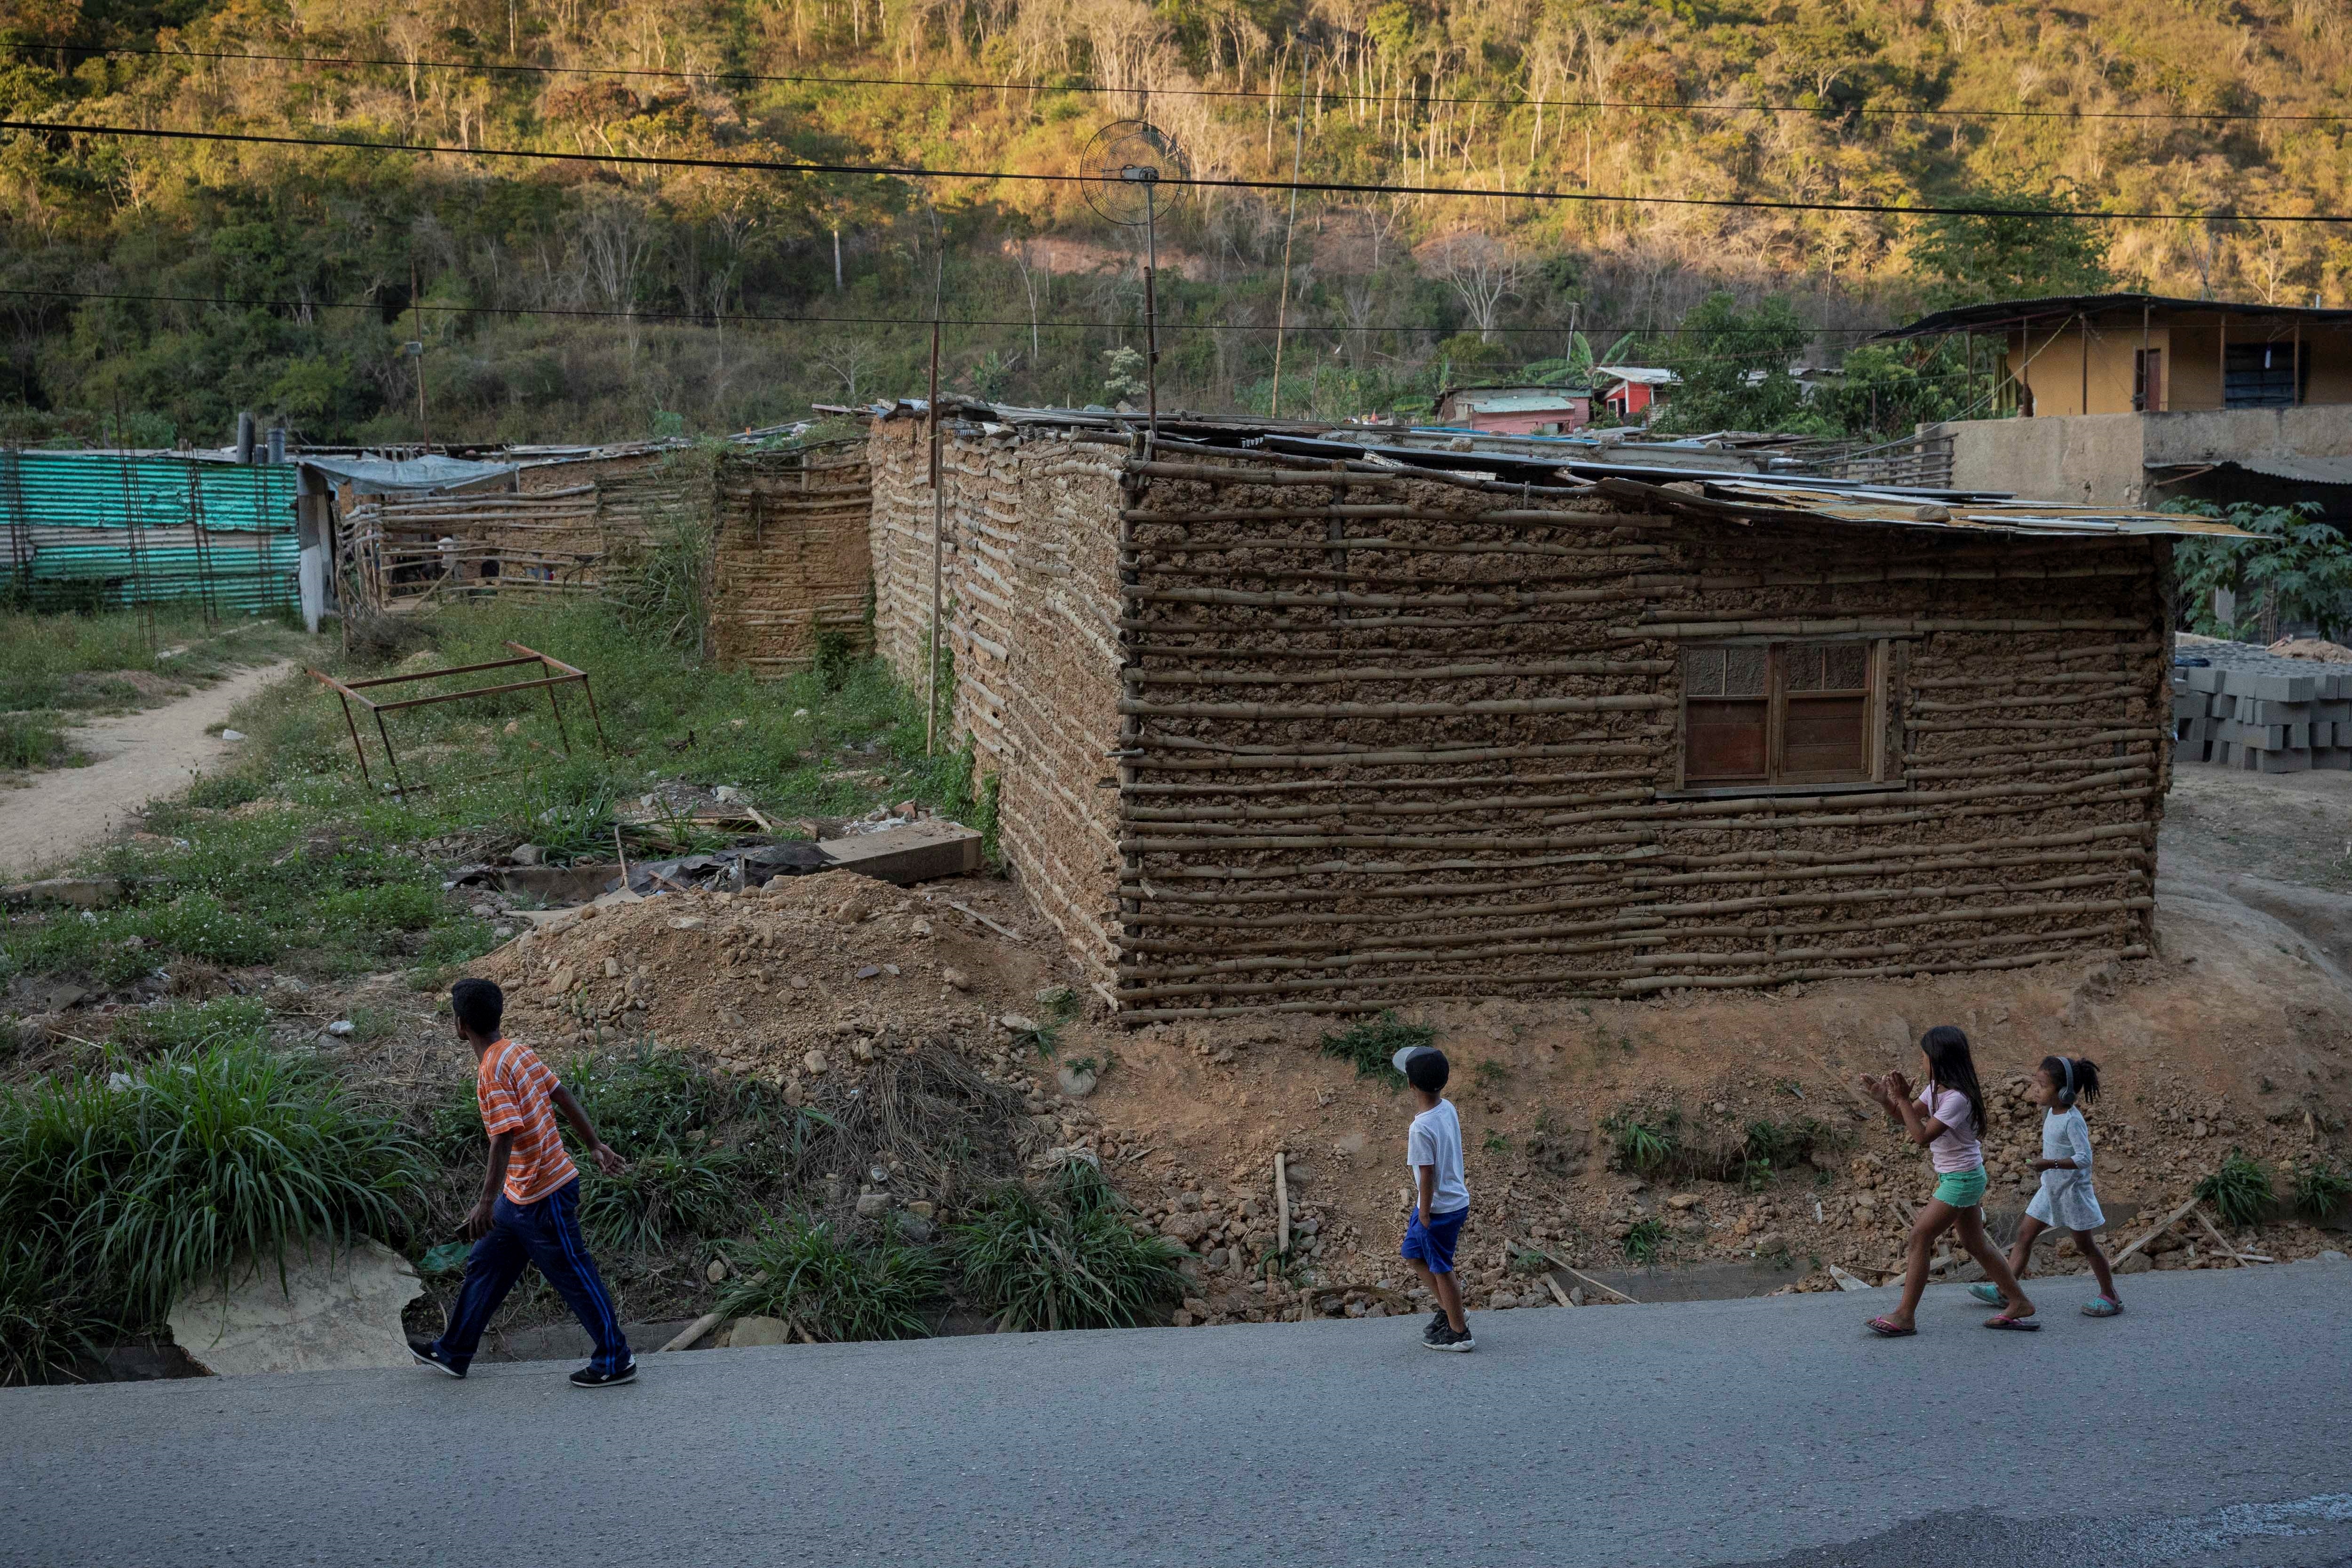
column 2250, row 715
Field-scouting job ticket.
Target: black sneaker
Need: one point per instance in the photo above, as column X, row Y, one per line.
column 1437, row 1325
column 427, row 1356
column 1445, row 1339
column 589, row 1377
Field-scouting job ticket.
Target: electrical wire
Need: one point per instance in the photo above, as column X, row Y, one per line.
column 1260, row 94
column 1340, row 187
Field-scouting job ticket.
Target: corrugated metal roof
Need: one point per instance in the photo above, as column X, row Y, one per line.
column 1759, row 498
column 2302, row 470
column 1526, row 402
column 124, row 529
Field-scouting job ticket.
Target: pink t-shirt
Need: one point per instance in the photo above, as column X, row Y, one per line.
column 1957, row 1149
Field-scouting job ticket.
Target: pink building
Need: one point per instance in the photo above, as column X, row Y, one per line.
column 1507, row 410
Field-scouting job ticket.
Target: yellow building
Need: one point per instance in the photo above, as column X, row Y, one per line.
column 2135, row 399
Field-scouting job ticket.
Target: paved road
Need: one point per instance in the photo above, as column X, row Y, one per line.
column 2206, row 1427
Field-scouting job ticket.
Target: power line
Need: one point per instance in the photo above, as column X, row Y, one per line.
column 1259, row 94
column 790, row 319
column 1339, row 187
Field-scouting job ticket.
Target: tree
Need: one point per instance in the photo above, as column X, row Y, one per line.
column 1735, row 369
column 1485, row 272
column 848, row 358
column 1889, row 389
column 2291, row 569
column 1974, row 258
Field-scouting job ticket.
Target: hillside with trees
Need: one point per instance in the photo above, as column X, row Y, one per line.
column 154, row 287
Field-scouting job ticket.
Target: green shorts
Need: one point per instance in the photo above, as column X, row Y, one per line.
column 1961, row 1189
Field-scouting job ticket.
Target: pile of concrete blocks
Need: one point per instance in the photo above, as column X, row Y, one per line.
column 2262, row 719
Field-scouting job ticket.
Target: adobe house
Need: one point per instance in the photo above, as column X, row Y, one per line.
column 2133, row 399
column 1508, row 410
column 1304, row 722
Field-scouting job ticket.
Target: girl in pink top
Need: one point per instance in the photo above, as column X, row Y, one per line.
column 1945, row 1119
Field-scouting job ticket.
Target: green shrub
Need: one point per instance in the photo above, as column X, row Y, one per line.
column 2320, row 1187
column 1641, row 1242
column 1063, row 1255
column 2240, row 1191
column 43, row 1328
column 187, row 1027
column 379, row 910
column 647, row 1101
column 222, row 791
column 1370, row 1047
column 836, row 657
column 30, row 741
column 197, row 1165
column 198, row 925
column 834, row 1286
column 662, row 1196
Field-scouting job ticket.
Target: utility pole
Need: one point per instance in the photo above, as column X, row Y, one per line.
column 1282, row 311
column 416, row 351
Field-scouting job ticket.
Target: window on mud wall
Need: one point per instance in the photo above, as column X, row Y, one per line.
column 1779, row 713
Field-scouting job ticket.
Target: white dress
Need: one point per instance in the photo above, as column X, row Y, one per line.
column 2066, row 1199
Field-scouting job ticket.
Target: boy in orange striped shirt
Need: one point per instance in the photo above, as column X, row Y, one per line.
column 529, row 1208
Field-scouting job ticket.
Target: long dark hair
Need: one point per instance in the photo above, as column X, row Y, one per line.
column 2084, row 1078
column 1950, row 1065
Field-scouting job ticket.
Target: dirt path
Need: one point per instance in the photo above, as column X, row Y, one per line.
column 139, row 756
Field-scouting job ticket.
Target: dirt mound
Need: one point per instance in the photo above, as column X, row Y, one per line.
column 807, row 983
column 2316, row 648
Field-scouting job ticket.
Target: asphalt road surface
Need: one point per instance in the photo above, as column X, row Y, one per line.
column 2207, row 1425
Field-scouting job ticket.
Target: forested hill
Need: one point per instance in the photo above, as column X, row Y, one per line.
column 158, row 286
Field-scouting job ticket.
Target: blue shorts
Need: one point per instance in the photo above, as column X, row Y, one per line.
column 1431, row 1245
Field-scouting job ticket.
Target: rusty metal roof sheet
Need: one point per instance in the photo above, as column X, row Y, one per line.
column 1729, row 495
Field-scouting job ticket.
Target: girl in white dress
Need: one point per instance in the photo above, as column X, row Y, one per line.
column 2064, row 1085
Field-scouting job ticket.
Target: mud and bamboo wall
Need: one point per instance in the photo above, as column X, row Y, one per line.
column 1373, row 735
column 1028, row 577
column 1392, row 736
column 789, row 557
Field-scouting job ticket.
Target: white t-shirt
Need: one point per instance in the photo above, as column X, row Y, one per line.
column 1956, row 1148
column 1436, row 1140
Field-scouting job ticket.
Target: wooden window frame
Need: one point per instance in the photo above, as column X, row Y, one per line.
column 1881, row 743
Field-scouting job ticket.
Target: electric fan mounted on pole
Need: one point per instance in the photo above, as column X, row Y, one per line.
column 1133, row 169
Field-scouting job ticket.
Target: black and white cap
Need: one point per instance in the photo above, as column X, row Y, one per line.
column 1406, row 1054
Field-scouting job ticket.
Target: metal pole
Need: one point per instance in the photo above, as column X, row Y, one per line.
column 939, row 554
column 1282, row 311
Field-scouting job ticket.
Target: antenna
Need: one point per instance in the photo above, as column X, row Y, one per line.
column 1126, row 164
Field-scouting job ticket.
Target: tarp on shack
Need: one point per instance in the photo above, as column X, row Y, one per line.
column 382, row 476
column 126, row 528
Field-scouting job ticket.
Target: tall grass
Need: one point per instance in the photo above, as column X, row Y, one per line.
column 1062, row 1256
column 2240, row 1191
column 833, row 1284
column 215, row 1163
column 1371, row 1046
column 44, row 1326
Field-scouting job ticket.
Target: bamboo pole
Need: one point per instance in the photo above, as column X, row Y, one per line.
column 939, row 554
column 1529, row 671
column 1855, row 626
column 1251, row 711
column 1275, row 600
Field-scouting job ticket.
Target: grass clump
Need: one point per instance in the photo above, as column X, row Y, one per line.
column 662, row 1196
column 833, row 1284
column 44, row 1328
column 2241, row 1191
column 1062, row 1254
column 193, row 1027
column 1642, row 1145
column 2321, row 1187
column 211, row 1162
column 1371, row 1046
column 1642, row 1242
column 30, row 741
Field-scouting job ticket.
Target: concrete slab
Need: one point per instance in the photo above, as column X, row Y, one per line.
column 331, row 1312
column 914, row 853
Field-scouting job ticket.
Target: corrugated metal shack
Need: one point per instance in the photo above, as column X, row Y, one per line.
column 1287, row 720
column 102, row 529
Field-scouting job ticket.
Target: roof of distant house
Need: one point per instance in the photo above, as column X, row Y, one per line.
column 1638, row 374
column 2004, row 314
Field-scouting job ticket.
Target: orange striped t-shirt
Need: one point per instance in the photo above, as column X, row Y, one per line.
column 514, row 1087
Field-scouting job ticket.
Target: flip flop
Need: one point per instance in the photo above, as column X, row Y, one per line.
column 2102, row 1306
column 2022, row 1325
column 1888, row 1329
column 1989, row 1294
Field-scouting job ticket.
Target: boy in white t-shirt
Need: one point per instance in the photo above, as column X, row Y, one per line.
column 1434, row 1149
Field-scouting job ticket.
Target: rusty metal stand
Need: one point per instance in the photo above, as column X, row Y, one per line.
column 349, row 692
